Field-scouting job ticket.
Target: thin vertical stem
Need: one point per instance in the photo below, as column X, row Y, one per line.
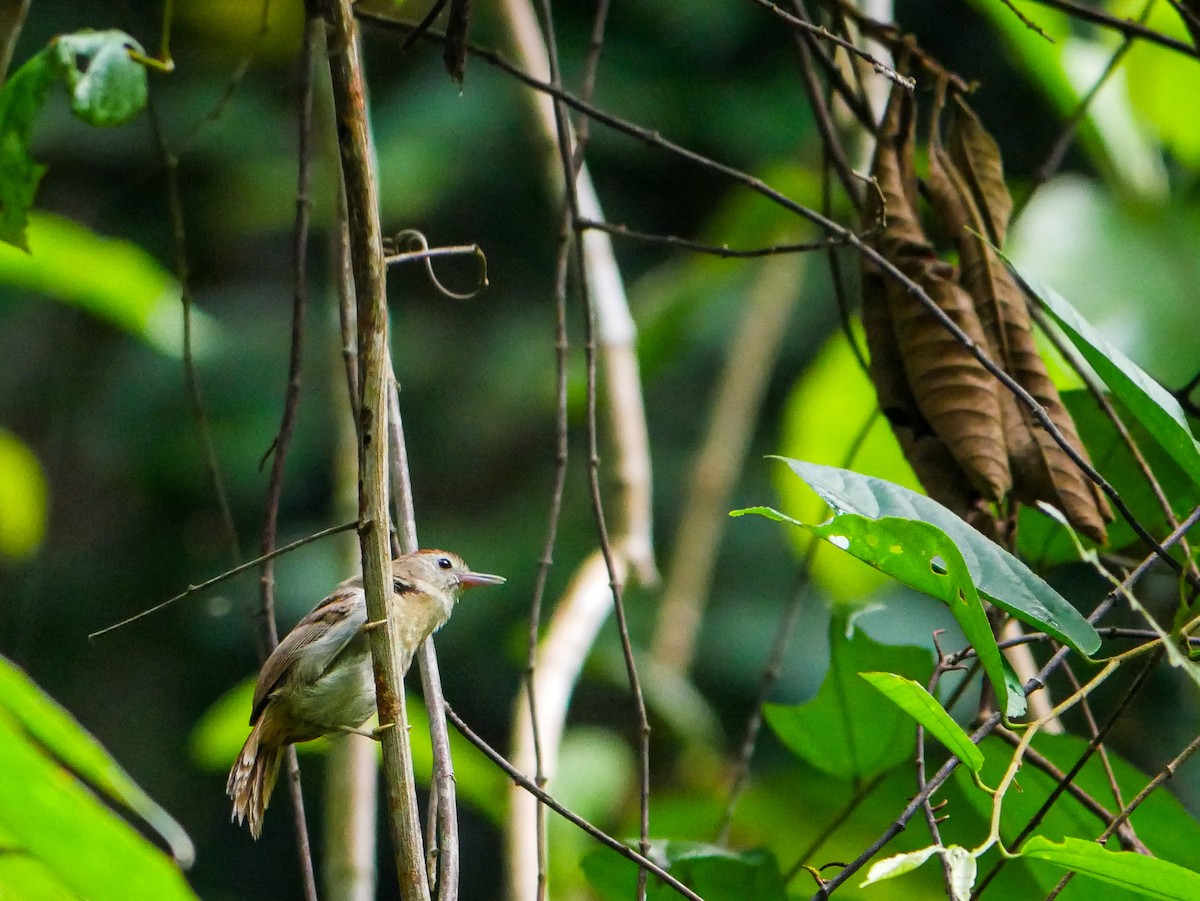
column 369, row 270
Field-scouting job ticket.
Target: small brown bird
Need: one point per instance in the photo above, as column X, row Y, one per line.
column 319, row 679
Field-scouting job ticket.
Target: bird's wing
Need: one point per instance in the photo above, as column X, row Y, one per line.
column 314, row 643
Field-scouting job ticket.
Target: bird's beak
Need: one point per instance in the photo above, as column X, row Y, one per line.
column 474, row 580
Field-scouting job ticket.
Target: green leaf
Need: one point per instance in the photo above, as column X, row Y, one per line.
column 1150, row 877
column 108, row 87
column 848, row 730
column 1146, row 399
column 923, row 557
column 59, row 734
column 913, row 699
column 23, row 498
column 997, row 574
column 49, row 817
column 714, row 873
column 114, row 280
column 20, row 101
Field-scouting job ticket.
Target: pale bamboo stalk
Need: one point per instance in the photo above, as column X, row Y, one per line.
column 587, row 604
column 578, row 618
column 615, row 329
column 749, row 363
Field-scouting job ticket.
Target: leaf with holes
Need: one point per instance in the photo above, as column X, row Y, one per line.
column 997, row 574
column 921, row 556
column 848, row 730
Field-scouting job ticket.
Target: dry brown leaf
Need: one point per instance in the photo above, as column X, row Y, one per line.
column 953, row 392
column 929, row 457
column 977, row 157
column 968, row 190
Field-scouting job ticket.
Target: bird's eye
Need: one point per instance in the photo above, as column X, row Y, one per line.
column 444, row 563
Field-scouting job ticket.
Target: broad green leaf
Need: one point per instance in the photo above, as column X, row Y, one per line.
column 57, row 731
column 831, row 416
column 714, row 873
column 23, row 498
column 913, row 699
column 923, row 557
column 114, row 280
column 52, row 818
column 1146, row 399
column 218, row 736
column 30, row 880
column 848, row 730
column 997, row 574
column 1150, row 877
column 107, row 86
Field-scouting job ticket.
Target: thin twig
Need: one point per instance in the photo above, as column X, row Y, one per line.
column 861, row 794
column 593, row 455
column 723, row 250
column 825, row 34
column 831, row 142
column 645, row 864
column 233, row 82
column 1037, row 760
column 766, row 682
column 1085, row 707
column 313, row 38
column 1026, row 21
column 193, row 589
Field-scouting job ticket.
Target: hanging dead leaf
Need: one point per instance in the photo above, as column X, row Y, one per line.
column 953, row 392
column 969, row 195
column 976, row 155
column 926, row 453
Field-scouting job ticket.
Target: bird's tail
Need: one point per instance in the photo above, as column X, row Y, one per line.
column 252, row 778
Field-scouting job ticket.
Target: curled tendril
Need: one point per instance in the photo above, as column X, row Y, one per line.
column 414, row 239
